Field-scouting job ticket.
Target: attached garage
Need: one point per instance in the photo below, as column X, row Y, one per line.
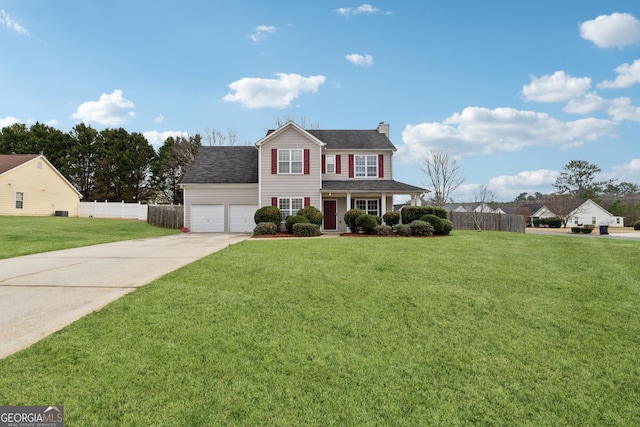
column 207, row 218
column 241, row 218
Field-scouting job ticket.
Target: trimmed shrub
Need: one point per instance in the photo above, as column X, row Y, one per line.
column 448, row 226
column 412, row 213
column 268, row 214
column 312, row 214
column 383, row 230
column 553, row 222
column 378, row 219
column 367, row 223
column 636, row 225
column 402, row 229
column 575, row 229
column 436, row 222
column 294, row 219
column 306, row 229
column 421, row 228
column 265, row 228
column 350, row 217
column 391, row 218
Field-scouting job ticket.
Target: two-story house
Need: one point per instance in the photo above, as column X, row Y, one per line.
column 332, row 170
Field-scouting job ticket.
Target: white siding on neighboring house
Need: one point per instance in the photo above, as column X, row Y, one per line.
column 592, row 213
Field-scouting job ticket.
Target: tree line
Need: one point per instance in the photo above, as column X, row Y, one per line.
column 113, row 164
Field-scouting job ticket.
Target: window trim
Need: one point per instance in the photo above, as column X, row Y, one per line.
column 367, row 164
column 290, row 210
column 328, row 163
column 19, row 200
column 290, row 161
column 368, row 210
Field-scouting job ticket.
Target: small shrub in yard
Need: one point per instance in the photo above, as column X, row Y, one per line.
column 306, row 229
column 575, row 229
column 294, row 219
column 554, row 222
column 448, row 226
column 367, row 223
column 378, row 219
column 265, row 228
column 411, row 213
column 586, row 229
column 436, row 222
column 383, row 230
column 421, row 228
column 268, row 214
column 636, row 225
column 312, row 214
column 402, row 229
column 350, row 218
column 391, row 218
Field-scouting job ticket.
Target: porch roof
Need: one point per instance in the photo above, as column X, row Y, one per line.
column 370, row 185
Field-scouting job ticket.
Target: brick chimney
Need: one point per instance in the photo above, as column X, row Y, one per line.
column 383, row 128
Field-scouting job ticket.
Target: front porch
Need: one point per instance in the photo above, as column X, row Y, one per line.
column 372, row 196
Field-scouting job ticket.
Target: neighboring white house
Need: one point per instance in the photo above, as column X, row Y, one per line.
column 473, row 207
column 589, row 212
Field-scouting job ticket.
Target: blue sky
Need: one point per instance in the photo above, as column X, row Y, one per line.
column 514, row 90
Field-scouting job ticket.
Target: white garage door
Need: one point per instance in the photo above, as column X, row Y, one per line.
column 241, row 218
column 207, row 218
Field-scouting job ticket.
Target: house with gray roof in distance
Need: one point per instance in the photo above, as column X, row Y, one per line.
column 290, row 167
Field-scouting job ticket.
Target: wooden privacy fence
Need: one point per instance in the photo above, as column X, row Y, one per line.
column 166, row 216
column 488, row 221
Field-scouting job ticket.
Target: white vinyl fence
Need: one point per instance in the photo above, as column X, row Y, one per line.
column 106, row 209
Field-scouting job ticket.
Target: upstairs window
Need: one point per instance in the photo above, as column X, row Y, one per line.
column 330, row 163
column 290, row 161
column 19, row 200
column 366, row 166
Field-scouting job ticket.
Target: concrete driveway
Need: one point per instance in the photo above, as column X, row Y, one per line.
column 42, row 293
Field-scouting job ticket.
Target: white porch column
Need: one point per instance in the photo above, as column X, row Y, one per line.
column 348, row 202
column 383, row 205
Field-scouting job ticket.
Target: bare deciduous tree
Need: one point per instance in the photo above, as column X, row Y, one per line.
column 302, row 122
column 483, row 196
column 213, row 137
column 444, row 173
column 561, row 205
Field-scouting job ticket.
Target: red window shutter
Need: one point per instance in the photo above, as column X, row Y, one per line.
column 337, row 163
column 306, row 161
column 274, row 161
column 307, row 201
column 351, row 171
column 324, row 159
column 380, row 165
column 274, row 201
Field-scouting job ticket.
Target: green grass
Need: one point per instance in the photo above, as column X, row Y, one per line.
column 474, row 329
column 30, row 235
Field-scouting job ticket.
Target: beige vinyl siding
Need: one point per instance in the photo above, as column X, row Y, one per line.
column 291, row 185
column 45, row 191
column 344, row 164
column 218, row 194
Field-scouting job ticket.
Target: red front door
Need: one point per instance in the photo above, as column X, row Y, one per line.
column 330, row 215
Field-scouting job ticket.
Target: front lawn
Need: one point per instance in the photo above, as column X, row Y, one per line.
column 29, row 235
column 473, row 329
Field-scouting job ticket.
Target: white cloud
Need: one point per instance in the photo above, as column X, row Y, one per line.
column 8, row 121
column 629, row 172
column 6, row 20
column 273, row 93
column 358, row 59
column 586, row 104
column 262, row 31
column 621, row 109
column 111, row 109
column 363, row 8
column 558, row 87
column 628, row 75
column 159, row 119
column 482, row 131
column 615, row 30
column 156, row 138
column 535, row 178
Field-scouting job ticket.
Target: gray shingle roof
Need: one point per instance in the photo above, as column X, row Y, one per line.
column 351, row 139
column 224, row 165
column 377, row 185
